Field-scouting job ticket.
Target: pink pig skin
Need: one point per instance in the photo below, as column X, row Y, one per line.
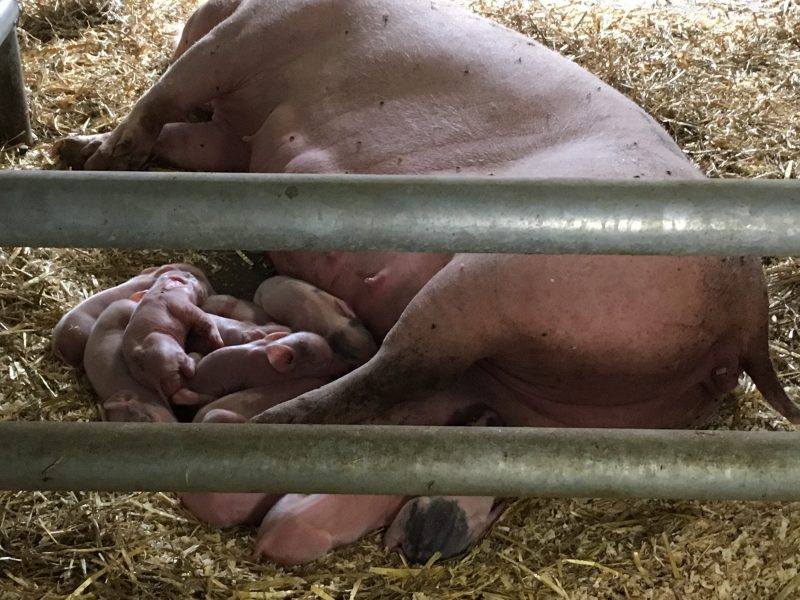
column 277, row 357
column 233, row 332
column 432, row 89
column 225, row 305
column 301, row 528
column 72, row 331
column 153, row 343
column 123, row 398
column 249, row 402
column 228, row 509
column 304, row 307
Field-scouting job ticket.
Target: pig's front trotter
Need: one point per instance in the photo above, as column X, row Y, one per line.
column 127, row 148
column 353, row 398
column 72, row 152
column 311, row 407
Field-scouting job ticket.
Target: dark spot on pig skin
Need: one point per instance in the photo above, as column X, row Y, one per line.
column 466, row 71
column 385, row 20
column 341, row 346
column 380, row 103
column 544, row 334
column 347, row 32
column 291, row 192
column 441, row 526
column 669, row 172
column 433, row 325
column 291, row 138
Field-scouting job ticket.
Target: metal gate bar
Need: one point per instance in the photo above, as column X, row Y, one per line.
column 351, row 212
column 404, row 460
column 14, row 125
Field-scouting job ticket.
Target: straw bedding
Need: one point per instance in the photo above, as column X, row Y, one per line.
column 724, row 82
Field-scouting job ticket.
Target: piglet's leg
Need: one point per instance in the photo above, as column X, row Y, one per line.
column 231, row 307
column 228, row 509
column 128, row 406
column 443, row 331
column 301, row 528
column 194, row 318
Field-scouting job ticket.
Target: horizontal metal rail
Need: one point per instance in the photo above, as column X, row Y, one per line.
column 350, row 212
column 401, row 460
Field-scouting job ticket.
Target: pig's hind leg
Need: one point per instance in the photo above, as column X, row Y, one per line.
column 207, row 146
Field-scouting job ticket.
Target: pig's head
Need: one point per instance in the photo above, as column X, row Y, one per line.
column 185, row 267
column 197, row 289
column 303, row 354
column 348, row 337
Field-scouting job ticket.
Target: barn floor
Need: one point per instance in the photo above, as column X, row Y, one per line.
column 724, row 82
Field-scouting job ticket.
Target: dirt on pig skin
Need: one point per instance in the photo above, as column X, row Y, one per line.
column 542, row 340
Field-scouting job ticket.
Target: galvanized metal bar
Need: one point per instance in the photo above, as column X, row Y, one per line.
column 407, row 460
column 291, row 212
column 14, row 124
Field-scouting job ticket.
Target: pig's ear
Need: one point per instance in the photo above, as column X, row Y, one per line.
column 344, row 309
column 276, row 335
column 280, row 357
column 137, row 296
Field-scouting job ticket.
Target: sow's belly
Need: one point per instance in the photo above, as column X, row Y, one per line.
column 377, row 285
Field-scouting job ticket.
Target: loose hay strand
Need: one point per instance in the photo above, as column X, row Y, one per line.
column 723, row 80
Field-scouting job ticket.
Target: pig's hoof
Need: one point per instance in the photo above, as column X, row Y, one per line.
column 72, row 152
column 428, row 525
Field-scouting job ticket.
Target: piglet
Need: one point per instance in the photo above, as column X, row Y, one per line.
column 301, row 528
column 154, row 341
column 123, row 398
column 275, row 358
column 232, row 307
column 229, row 509
column 304, row 307
column 233, row 333
column 72, row 331
column 449, row 525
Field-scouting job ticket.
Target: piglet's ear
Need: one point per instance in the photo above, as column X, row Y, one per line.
column 276, row 335
column 137, row 296
column 344, row 309
column 280, row 357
